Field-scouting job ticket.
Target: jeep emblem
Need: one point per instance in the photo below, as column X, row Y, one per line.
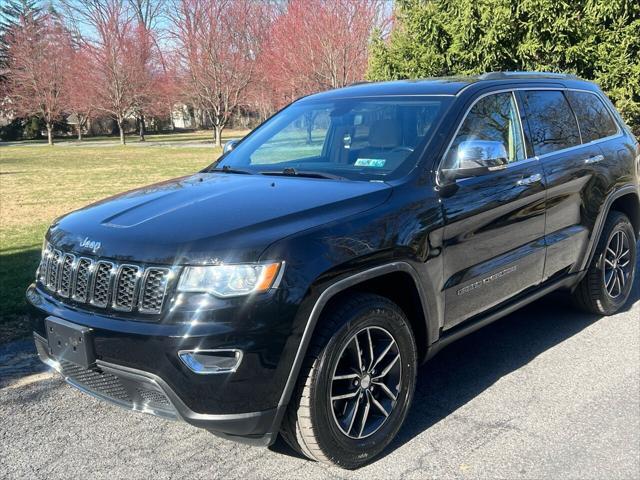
column 90, row 244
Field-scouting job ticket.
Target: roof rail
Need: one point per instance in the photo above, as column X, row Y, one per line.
column 503, row 75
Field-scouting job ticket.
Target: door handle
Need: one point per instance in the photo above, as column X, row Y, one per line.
column 594, row 159
column 536, row 177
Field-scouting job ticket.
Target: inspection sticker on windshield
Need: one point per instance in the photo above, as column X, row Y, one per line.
column 370, row 162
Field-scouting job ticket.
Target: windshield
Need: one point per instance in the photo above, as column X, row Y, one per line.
column 358, row 139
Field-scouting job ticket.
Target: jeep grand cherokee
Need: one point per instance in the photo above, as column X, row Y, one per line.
column 294, row 286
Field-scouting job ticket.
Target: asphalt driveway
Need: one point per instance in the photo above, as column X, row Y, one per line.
column 544, row 393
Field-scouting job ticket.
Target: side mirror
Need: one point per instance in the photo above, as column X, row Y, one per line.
column 477, row 157
column 230, row 145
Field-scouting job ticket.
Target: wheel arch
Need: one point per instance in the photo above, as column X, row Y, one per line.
column 625, row 200
column 361, row 281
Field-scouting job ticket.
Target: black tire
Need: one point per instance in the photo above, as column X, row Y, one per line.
column 591, row 294
column 310, row 425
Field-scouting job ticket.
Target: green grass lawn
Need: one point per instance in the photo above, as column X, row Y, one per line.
column 40, row 183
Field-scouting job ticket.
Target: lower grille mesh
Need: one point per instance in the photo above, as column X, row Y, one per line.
column 100, row 382
column 111, row 386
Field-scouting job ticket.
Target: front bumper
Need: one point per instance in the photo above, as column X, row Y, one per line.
column 145, row 392
column 137, row 367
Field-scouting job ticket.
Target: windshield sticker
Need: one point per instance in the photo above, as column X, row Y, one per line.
column 370, row 162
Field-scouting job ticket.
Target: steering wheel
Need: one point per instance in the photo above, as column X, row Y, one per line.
column 402, row 148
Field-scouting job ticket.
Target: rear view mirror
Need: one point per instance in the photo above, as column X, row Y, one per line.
column 477, row 157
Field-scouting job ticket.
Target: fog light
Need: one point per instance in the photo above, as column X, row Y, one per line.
column 205, row 362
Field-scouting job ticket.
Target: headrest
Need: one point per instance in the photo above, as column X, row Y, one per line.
column 384, row 134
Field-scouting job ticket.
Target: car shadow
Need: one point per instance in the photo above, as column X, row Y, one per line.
column 466, row 368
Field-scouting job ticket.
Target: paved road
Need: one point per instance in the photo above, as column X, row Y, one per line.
column 544, row 393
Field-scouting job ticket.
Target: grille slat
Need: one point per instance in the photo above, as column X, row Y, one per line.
column 126, row 287
column 153, row 290
column 83, row 276
column 104, row 284
column 44, row 263
column 53, row 269
column 66, row 275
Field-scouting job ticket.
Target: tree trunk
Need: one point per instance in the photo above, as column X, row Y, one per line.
column 142, row 127
column 49, row 133
column 218, row 135
column 79, row 127
column 121, row 129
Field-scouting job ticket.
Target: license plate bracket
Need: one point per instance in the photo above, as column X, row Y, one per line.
column 70, row 342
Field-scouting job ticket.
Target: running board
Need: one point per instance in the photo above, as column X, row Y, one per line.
column 472, row 325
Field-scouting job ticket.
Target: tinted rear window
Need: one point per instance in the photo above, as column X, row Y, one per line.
column 551, row 122
column 594, row 118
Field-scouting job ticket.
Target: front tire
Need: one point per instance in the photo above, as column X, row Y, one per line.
column 356, row 385
column 609, row 278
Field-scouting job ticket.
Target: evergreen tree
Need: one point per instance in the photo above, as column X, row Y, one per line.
column 11, row 11
column 595, row 39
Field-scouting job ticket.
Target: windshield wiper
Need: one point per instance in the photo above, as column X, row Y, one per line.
column 228, row 169
column 292, row 172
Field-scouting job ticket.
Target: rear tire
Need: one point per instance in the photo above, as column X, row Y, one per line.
column 345, row 432
column 609, row 279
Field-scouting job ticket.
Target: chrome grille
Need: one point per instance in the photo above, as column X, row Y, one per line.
column 126, row 287
column 66, row 275
column 154, row 288
column 104, row 284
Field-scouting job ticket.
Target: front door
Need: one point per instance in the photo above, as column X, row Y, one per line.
column 494, row 235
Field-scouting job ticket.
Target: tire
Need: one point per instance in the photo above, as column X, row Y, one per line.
column 593, row 294
column 315, row 425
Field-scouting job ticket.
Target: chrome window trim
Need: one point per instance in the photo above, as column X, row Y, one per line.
column 136, row 287
column 74, row 297
column 619, row 133
column 93, row 283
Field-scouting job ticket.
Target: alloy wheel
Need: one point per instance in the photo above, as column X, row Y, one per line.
column 366, row 382
column 617, row 264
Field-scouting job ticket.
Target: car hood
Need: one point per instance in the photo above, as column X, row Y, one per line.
column 210, row 217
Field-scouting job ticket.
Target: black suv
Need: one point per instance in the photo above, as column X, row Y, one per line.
column 295, row 285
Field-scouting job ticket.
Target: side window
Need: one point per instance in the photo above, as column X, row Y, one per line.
column 551, row 121
column 594, row 118
column 493, row 118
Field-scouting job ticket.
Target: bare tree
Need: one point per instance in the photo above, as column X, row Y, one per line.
column 37, row 51
column 217, row 43
column 118, row 74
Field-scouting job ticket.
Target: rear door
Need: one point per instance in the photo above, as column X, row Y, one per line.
column 494, row 234
column 575, row 185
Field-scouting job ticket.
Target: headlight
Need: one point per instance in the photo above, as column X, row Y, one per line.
column 230, row 280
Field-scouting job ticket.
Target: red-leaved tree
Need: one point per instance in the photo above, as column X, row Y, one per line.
column 37, row 58
column 79, row 94
column 117, row 46
column 319, row 44
column 217, row 43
